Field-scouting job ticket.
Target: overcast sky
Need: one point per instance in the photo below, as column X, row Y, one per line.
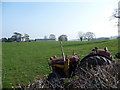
column 39, row 19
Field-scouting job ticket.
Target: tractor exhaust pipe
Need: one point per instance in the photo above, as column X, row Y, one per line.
column 63, row 54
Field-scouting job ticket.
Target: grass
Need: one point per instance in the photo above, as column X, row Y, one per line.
column 23, row 61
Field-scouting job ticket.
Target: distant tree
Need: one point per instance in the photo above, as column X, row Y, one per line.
column 4, row 39
column 26, row 36
column 81, row 35
column 11, row 40
column 116, row 13
column 45, row 37
column 63, row 38
column 89, row 36
column 52, row 36
column 16, row 37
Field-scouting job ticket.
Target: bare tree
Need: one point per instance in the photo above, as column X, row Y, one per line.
column 116, row 13
column 45, row 37
column 81, row 35
column 89, row 36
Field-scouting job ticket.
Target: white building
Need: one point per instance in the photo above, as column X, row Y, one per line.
column 45, row 40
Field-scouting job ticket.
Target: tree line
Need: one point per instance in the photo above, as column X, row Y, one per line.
column 18, row 37
column 86, row 36
column 60, row 38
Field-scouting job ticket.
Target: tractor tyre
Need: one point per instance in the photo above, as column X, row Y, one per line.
column 95, row 60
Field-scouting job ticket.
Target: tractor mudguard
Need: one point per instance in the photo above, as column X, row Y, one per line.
column 94, row 60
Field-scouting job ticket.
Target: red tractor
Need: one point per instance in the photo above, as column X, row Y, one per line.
column 65, row 67
column 62, row 67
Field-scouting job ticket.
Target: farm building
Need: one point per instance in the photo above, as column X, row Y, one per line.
column 103, row 38
column 24, row 39
column 45, row 40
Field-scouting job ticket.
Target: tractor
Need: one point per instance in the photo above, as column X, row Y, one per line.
column 62, row 68
column 66, row 66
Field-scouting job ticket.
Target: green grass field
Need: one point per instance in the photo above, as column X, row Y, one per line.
column 23, row 61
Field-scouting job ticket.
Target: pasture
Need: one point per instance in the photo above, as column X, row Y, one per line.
column 23, row 61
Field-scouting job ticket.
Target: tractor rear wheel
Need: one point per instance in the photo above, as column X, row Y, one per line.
column 94, row 60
